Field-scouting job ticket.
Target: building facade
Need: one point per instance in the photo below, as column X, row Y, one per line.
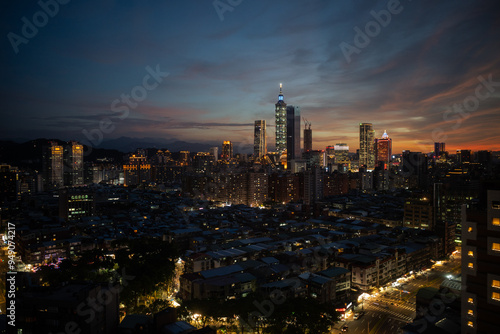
column 383, row 149
column 293, row 133
column 480, row 269
column 227, row 150
column 259, row 139
column 366, row 146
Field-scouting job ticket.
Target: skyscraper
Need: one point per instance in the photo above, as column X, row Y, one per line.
column 330, row 157
column 341, row 153
column 280, row 114
column 308, row 140
column 439, row 150
column 293, row 133
column 56, row 166
column 366, row 145
column 259, row 139
column 227, row 150
column 383, row 149
column 214, row 151
column 76, row 160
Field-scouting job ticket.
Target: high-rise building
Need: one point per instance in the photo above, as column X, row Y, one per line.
column 227, row 150
column 184, row 158
column 330, row 157
column 341, row 153
column 413, row 168
column 280, row 114
column 137, row 171
column 308, row 140
column 56, row 165
column 366, row 146
column 383, row 149
column 464, row 155
column 75, row 203
column 419, row 213
column 76, row 160
column 214, row 151
column 480, row 269
column 439, row 151
column 259, row 139
column 293, row 133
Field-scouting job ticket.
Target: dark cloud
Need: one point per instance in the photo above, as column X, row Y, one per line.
column 225, row 74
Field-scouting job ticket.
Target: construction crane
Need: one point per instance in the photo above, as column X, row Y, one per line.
column 307, row 125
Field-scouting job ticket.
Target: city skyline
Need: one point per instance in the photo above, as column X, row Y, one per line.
column 406, row 76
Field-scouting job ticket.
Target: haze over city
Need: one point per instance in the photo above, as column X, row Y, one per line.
column 225, row 64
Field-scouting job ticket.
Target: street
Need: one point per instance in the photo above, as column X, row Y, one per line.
column 386, row 312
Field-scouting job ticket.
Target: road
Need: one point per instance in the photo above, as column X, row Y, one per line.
column 387, row 312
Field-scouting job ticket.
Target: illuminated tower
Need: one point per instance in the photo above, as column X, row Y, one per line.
column 366, row 146
column 259, row 139
column 280, row 114
column 76, row 160
column 383, row 149
column 56, row 166
column 227, row 150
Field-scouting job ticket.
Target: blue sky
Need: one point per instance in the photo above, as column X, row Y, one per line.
column 224, row 74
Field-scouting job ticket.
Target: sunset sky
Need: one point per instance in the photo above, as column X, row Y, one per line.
column 429, row 72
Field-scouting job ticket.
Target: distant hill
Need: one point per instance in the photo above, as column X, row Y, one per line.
column 29, row 154
column 127, row 144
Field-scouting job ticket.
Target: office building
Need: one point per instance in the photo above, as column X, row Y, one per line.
column 419, row 213
column 259, row 139
column 280, row 116
column 330, row 157
column 383, row 149
column 413, row 169
column 341, row 153
column 308, row 140
column 480, row 269
column 227, row 150
column 293, row 133
column 137, row 171
column 75, row 203
column 56, row 165
column 76, row 163
column 439, row 151
column 464, row 156
column 214, row 151
column 366, row 146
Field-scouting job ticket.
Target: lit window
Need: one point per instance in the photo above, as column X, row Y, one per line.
column 470, row 324
column 471, row 265
column 495, row 246
column 469, row 229
column 470, row 253
column 495, row 296
column 496, row 221
column 495, row 283
column 470, row 312
column 471, row 300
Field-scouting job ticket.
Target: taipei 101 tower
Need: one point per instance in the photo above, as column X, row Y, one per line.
column 280, row 113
